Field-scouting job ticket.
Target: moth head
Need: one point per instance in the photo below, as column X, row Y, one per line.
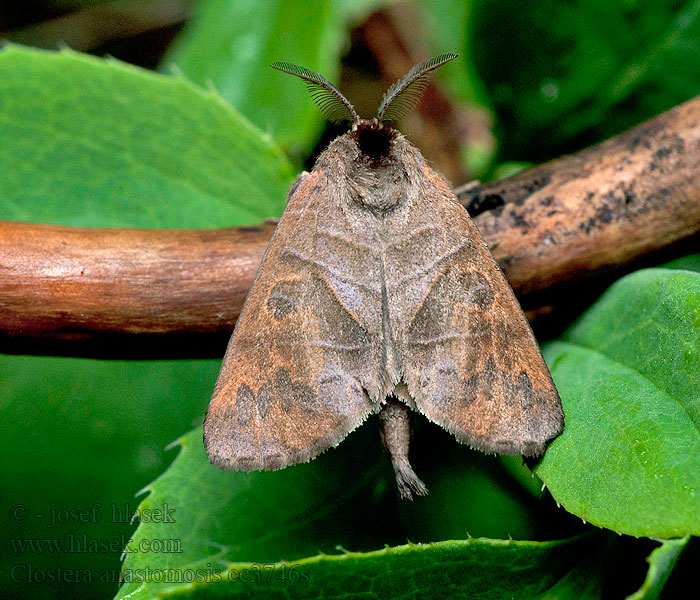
column 373, row 136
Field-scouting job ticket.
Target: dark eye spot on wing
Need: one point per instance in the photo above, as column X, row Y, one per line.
column 245, row 404
column 478, row 289
column 282, row 390
column 292, row 393
column 525, row 391
column 479, row 330
column 283, row 300
column 265, row 396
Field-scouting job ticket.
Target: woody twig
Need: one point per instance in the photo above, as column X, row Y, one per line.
column 599, row 211
column 566, row 223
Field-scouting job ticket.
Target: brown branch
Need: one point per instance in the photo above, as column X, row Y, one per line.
column 596, row 211
column 551, row 227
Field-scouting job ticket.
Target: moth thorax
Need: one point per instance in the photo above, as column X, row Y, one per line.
column 376, row 181
column 379, row 189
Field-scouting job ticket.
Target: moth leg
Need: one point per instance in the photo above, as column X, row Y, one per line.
column 396, row 432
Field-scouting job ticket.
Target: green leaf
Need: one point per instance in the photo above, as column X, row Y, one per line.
column 263, row 516
column 476, row 568
column 220, row 48
column 229, row 524
column 99, row 143
column 94, row 142
column 661, row 562
column 345, row 497
column 687, row 263
column 628, row 373
column 472, row 494
column 567, row 74
column 78, row 433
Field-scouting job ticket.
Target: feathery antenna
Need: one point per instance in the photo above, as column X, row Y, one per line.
column 331, row 102
column 405, row 93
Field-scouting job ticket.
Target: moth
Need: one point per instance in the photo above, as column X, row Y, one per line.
column 377, row 295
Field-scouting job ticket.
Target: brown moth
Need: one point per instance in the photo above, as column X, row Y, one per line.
column 377, row 295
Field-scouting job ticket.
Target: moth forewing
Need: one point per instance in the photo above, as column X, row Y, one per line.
column 470, row 359
column 278, row 399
